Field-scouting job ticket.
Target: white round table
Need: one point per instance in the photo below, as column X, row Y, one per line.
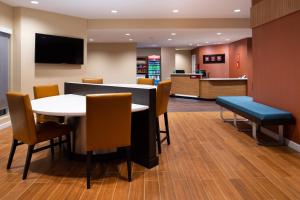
column 71, row 106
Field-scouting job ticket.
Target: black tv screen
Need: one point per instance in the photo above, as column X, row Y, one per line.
column 58, row 50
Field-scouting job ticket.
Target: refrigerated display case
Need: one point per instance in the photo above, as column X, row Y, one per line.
column 154, row 68
column 142, row 67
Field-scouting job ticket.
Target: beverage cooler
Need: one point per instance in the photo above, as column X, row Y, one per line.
column 154, row 68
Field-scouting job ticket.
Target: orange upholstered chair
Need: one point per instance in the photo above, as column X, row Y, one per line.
column 108, row 125
column 25, row 131
column 93, row 80
column 42, row 91
column 145, row 81
column 162, row 99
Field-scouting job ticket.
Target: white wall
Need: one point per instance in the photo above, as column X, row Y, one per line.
column 167, row 62
column 183, row 60
column 115, row 63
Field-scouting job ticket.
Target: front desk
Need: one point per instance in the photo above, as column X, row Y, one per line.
column 207, row 88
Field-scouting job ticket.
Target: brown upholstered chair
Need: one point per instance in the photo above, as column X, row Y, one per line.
column 25, row 131
column 162, row 99
column 145, row 81
column 42, row 91
column 108, row 125
column 93, row 80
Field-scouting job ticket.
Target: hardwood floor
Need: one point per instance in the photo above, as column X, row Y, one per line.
column 207, row 159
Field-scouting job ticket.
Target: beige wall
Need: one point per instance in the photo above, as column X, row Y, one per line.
column 115, row 63
column 183, row 60
column 167, row 62
column 6, row 16
column 145, row 52
column 27, row 23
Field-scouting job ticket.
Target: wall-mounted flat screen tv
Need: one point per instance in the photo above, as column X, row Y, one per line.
column 58, row 50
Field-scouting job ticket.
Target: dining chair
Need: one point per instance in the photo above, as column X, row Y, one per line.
column 108, row 125
column 145, row 81
column 162, row 99
column 26, row 131
column 42, row 91
column 92, row 80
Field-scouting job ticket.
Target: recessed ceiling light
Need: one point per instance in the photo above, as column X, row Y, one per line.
column 127, row 34
column 237, row 10
column 91, row 40
column 175, row 11
column 114, row 11
column 173, row 34
column 227, row 39
column 130, row 39
column 206, row 42
column 219, row 33
column 198, row 45
column 34, row 2
column 170, row 39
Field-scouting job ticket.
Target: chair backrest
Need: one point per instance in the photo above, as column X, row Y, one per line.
column 145, row 81
column 162, row 97
column 92, row 80
column 42, row 91
column 108, row 120
column 21, row 116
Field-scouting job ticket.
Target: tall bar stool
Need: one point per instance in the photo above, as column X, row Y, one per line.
column 42, row 91
column 162, row 99
column 92, row 80
column 145, row 81
column 108, row 126
column 25, row 131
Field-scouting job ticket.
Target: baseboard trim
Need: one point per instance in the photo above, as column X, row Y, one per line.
column 5, row 125
column 289, row 143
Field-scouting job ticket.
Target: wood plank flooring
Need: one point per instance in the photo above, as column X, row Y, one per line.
column 207, row 159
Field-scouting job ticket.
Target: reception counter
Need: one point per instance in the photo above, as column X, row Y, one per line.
column 207, row 88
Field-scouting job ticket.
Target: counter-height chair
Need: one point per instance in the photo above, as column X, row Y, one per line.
column 145, row 81
column 42, row 91
column 26, row 131
column 162, row 99
column 92, row 80
column 108, row 125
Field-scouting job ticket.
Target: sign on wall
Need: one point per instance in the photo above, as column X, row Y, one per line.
column 215, row 58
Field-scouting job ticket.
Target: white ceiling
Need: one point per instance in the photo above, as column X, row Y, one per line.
column 94, row 9
column 159, row 37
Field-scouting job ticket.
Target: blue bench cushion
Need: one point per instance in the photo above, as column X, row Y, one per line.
column 260, row 111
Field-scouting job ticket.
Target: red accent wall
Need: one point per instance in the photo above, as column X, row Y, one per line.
column 276, row 58
column 240, row 61
column 220, row 70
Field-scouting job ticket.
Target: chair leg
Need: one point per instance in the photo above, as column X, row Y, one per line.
column 12, row 153
column 69, row 144
column 60, row 142
column 52, row 148
column 158, row 136
column 88, row 169
column 28, row 160
column 167, row 127
column 129, row 163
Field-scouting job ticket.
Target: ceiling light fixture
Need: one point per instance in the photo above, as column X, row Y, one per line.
column 206, row 42
column 127, row 34
column 219, row 33
column 173, row 34
column 34, row 2
column 170, row 39
column 228, row 39
column 237, row 10
column 130, row 39
column 175, row 11
column 114, row 11
column 91, row 40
